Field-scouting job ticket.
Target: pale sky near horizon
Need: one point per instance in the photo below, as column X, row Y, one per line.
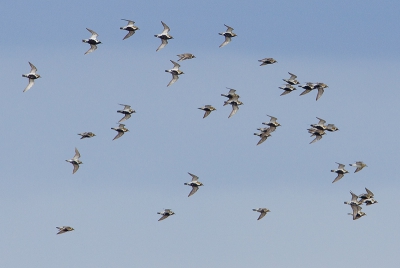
column 113, row 199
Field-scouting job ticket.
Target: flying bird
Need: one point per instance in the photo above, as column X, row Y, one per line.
column 127, row 111
column 87, row 135
column 165, row 214
column 64, row 229
column 31, row 76
column 263, row 212
column 185, row 56
column 131, row 28
column 267, row 61
column 340, row 171
column 228, row 35
column 75, row 161
column 194, row 183
column 175, row 72
column 208, row 109
column 92, row 41
column 164, row 36
column 359, row 165
column 121, row 129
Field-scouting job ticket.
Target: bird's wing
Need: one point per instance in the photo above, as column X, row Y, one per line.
column 76, row 167
column 194, row 189
column 194, row 177
column 94, row 34
column 181, row 57
column 285, row 92
column 227, row 40
column 130, row 22
column 166, row 28
column 320, row 92
column 305, row 92
column 317, row 138
column 126, row 117
column 321, row 121
column 176, row 65
column 33, row 68
column 371, row 194
column 61, row 230
column 235, row 108
column 263, row 138
column 92, row 48
column 129, row 34
column 339, row 176
column 164, row 42
column 273, row 119
column 30, row 84
column 355, row 209
column 206, row 113
column 229, row 29
column 163, row 217
column 173, row 80
column 77, row 154
column 120, row 133
column 340, row 165
column 262, row 215
column 292, row 76
column 354, row 197
column 358, row 169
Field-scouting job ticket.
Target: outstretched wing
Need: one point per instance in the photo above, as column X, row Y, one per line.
column 262, row 215
column 120, row 133
column 235, row 108
column 166, row 28
column 33, row 68
column 77, row 154
column 129, row 34
column 164, row 42
column 126, row 117
column 194, row 189
column 194, row 177
column 320, row 92
column 92, row 48
column 163, row 217
column 94, row 34
column 173, row 80
column 30, row 84
column 227, row 40
column 229, row 29
column 317, row 138
column 339, row 176
column 305, row 92
column 176, row 65
column 76, row 167
column 206, row 113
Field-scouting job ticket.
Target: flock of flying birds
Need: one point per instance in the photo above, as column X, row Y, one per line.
column 316, row 130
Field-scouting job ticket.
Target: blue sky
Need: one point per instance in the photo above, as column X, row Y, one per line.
column 113, row 198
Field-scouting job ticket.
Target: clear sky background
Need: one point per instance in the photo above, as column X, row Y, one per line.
column 112, row 200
